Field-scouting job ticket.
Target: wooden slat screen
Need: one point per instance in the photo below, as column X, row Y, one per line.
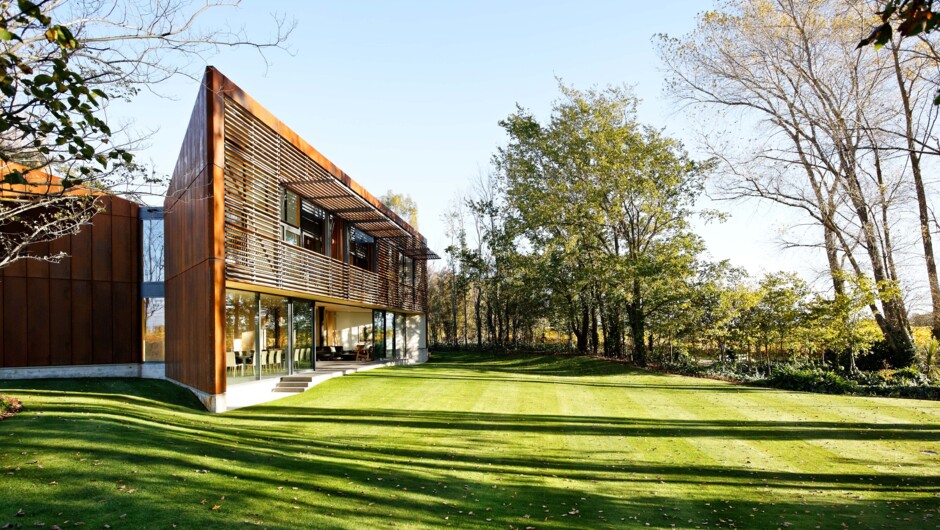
column 258, row 162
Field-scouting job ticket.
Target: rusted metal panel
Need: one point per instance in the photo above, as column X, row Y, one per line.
column 194, row 246
column 101, row 248
column 68, row 315
column 126, row 339
column 82, row 323
column 37, row 322
column 60, row 319
column 102, row 327
column 62, row 269
column 15, row 334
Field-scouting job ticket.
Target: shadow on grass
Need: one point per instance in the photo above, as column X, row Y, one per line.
column 94, row 436
column 559, row 365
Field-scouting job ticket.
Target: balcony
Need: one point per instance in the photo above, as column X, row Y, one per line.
column 262, row 260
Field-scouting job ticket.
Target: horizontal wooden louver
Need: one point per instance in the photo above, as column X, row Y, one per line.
column 258, row 162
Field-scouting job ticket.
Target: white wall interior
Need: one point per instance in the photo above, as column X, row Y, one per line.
column 416, row 335
column 350, row 325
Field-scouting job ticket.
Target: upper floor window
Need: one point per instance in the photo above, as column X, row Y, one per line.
column 313, row 222
column 406, row 270
column 361, row 248
column 290, row 208
column 290, row 217
column 152, row 245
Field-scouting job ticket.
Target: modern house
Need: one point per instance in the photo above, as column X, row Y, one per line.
column 275, row 259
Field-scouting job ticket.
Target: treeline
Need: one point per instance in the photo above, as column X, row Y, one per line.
column 581, row 233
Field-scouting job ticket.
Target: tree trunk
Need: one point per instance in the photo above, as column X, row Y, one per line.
column 582, row 333
column 923, row 212
column 895, row 332
column 594, row 335
column 479, row 318
column 637, row 325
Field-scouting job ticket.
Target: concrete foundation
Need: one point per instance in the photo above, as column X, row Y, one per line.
column 238, row 396
column 145, row 370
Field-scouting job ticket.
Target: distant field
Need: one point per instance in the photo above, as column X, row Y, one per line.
column 471, row 441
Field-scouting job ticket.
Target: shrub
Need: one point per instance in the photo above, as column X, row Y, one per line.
column 681, row 364
column 792, row 377
column 879, row 356
column 909, row 374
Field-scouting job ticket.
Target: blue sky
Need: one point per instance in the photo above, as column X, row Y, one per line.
column 407, row 95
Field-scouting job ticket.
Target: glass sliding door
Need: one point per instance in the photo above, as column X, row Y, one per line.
column 241, row 310
column 390, row 352
column 303, row 348
column 378, row 335
column 400, row 337
column 273, row 360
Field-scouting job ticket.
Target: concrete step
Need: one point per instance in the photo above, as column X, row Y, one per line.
column 297, row 378
column 294, row 390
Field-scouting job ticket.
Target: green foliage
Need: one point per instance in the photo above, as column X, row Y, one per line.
column 929, row 356
column 605, row 201
column 809, row 376
column 51, row 114
column 791, row 377
column 913, row 17
column 880, row 356
column 403, row 205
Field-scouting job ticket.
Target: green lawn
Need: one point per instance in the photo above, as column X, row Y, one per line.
column 471, row 441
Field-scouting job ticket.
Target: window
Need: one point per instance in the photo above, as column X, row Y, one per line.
column 152, row 287
column 290, row 217
column 154, row 329
column 406, row 274
column 291, row 235
column 313, row 224
column 361, row 248
column 290, row 208
column 153, row 245
column 241, row 315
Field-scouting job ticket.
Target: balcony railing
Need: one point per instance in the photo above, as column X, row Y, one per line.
column 257, row 259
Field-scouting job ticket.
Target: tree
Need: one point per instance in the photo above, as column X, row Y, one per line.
column 612, row 198
column 60, row 62
column 838, row 324
column 48, row 113
column 793, row 67
column 779, row 311
column 913, row 17
column 403, row 205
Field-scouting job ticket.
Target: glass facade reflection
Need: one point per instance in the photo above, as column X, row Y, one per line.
column 303, row 348
column 151, row 285
column 270, row 336
column 240, row 344
column 399, row 335
column 267, row 336
column 154, row 329
column 274, row 344
column 378, row 334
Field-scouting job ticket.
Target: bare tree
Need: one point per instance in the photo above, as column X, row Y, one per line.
column 61, row 61
column 793, row 66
